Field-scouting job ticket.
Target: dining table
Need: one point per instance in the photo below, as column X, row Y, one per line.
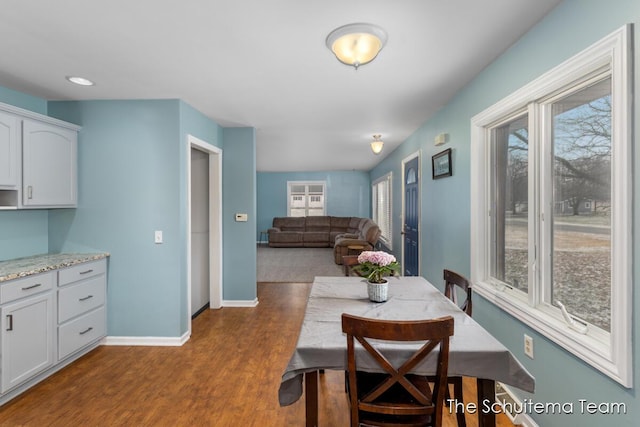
column 321, row 345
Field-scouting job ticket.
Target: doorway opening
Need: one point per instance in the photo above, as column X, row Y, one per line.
column 204, row 227
column 411, row 177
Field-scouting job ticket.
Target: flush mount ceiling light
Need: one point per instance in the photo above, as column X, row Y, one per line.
column 376, row 145
column 80, row 81
column 356, row 44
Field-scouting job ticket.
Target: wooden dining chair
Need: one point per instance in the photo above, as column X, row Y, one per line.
column 349, row 261
column 397, row 397
column 451, row 281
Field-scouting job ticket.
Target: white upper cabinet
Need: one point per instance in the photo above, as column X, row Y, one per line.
column 49, row 165
column 9, row 151
column 38, row 160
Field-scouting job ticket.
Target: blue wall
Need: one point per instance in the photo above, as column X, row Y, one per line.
column 22, row 100
column 239, row 196
column 348, row 193
column 445, row 219
column 128, row 186
column 132, row 158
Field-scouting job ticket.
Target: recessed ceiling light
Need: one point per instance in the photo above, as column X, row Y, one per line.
column 80, row 81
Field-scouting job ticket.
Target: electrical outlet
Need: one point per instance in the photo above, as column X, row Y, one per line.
column 528, row 346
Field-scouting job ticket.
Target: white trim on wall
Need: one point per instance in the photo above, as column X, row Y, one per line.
column 215, row 222
column 147, row 341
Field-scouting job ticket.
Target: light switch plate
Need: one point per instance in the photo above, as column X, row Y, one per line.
column 158, row 236
column 241, row 217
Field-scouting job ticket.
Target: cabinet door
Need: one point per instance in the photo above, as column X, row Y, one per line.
column 49, row 165
column 9, row 151
column 27, row 339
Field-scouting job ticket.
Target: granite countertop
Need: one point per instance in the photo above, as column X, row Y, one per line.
column 27, row 266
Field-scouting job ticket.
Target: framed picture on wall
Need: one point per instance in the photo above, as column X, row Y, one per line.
column 441, row 164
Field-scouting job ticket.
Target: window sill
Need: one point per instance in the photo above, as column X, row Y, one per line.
column 593, row 348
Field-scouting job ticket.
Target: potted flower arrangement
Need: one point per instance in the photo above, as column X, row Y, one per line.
column 375, row 265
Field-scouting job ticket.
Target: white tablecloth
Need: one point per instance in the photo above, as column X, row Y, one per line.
column 322, row 345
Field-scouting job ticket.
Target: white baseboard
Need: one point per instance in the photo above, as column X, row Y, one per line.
column 170, row 341
column 147, row 341
column 521, row 418
column 240, row 303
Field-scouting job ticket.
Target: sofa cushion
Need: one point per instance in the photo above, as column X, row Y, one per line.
column 289, row 223
column 339, row 224
column 315, row 238
column 318, row 223
column 287, row 237
column 354, row 225
column 370, row 231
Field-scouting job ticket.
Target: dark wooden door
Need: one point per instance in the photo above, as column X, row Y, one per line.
column 411, row 235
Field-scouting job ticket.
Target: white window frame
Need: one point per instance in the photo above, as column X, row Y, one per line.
column 610, row 353
column 386, row 236
column 307, row 196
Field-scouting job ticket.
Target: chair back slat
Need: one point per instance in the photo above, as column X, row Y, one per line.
column 453, row 279
column 419, row 402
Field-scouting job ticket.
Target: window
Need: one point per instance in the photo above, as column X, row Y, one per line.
column 381, row 203
column 306, row 198
column 551, row 183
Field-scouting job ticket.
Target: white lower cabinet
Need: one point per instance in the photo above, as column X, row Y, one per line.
column 49, row 320
column 82, row 317
column 27, row 339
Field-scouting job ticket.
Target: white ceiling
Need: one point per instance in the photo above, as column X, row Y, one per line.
column 264, row 64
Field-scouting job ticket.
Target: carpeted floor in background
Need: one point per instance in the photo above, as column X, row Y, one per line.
column 295, row 264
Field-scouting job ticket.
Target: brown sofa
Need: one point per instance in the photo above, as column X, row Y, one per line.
column 324, row 231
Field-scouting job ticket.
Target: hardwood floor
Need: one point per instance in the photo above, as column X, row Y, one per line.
column 227, row 374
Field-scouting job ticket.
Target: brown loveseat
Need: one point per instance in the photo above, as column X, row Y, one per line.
column 324, row 231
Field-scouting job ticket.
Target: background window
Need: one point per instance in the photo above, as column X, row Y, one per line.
column 381, row 203
column 306, row 198
column 551, row 186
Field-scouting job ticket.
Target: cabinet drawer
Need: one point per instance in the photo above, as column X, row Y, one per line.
column 77, row 299
column 81, row 271
column 20, row 288
column 84, row 330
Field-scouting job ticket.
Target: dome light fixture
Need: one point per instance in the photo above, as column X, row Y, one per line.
column 356, row 44
column 80, row 81
column 377, row 144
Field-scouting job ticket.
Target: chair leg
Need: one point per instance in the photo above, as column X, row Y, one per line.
column 457, row 393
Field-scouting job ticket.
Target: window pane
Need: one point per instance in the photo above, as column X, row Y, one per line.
column 582, row 203
column 509, row 228
column 382, row 208
column 297, row 189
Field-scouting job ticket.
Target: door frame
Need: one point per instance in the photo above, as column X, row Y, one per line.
column 215, row 222
column 407, row 159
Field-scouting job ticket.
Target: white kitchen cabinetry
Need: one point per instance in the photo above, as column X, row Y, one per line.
column 27, row 328
column 9, row 160
column 82, row 317
column 38, row 160
column 48, row 321
column 49, row 165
